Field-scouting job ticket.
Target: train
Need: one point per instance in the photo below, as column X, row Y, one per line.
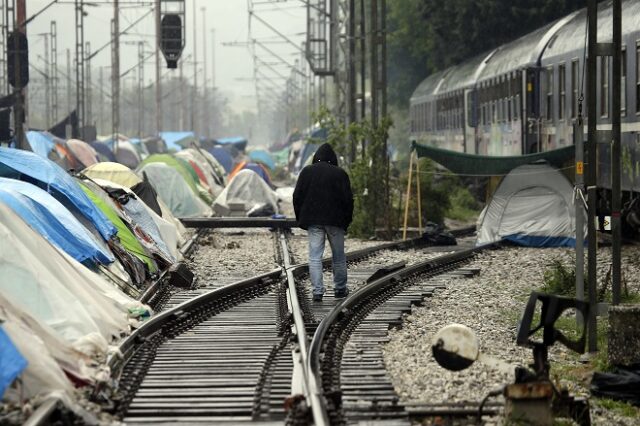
column 523, row 97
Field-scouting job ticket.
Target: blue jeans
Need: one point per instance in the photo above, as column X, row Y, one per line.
column 338, row 258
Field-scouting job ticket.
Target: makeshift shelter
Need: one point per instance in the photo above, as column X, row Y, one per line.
column 532, row 206
column 204, row 169
column 177, row 141
column 223, row 157
column 53, row 288
column 48, row 146
column 127, row 154
column 188, row 173
column 174, row 191
column 263, row 157
column 83, row 152
column 103, row 151
column 259, row 169
column 27, row 166
column 125, row 235
column 249, row 189
column 238, row 142
column 154, row 145
column 141, row 216
column 122, row 175
column 52, row 220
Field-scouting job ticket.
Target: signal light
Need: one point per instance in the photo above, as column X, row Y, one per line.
column 18, row 57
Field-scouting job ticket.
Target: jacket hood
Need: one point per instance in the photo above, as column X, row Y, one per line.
column 325, row 153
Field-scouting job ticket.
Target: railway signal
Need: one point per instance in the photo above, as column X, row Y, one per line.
column 172, row 31
column 18, row 59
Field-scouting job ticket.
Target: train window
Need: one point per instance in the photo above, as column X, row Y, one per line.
column 562, row 95
column 623, row 82
column 509, row 105
column 638, row 77
column 549, row 87
column 604, row 86
column 494, row 116
column 575, row 81
column 516, row 107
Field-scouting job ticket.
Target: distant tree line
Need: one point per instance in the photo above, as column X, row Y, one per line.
column 430, row 35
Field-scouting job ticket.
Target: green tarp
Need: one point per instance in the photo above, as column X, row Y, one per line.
column 485, row 165
column 128, row 240
column 186, row 171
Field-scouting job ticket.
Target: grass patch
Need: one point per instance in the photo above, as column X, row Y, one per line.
column 620, row 408
column 462, row 206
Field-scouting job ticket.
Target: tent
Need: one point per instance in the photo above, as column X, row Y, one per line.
column 187, row 172
column 125, row 235
column 141, row 216
column 127, row 154
column 103, row 151
column 238, row 142
column 223, row 157
column 177, row 141
column 532, row 206
column 259, row 169
column 122, row 175
column 248, row 188
column 55, row 289
column 41, row 142
column 46, row 145
column 27, row 166
column 174, row 191
column 204, row 167
column 263, row 157
column 83, row 152
column 52, row 220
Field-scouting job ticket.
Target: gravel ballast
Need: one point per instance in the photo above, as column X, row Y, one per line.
column 490, row 303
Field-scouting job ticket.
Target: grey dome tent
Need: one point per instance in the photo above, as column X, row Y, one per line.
column 533, row 206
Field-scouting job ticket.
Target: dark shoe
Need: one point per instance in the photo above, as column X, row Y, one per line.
column 317, row 297
column 341, row 294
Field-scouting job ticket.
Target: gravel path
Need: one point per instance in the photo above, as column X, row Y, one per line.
column 491, row 304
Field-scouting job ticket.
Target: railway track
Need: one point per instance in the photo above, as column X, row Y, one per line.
column 235, row 352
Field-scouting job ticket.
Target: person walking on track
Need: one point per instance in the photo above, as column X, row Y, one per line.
column 323, row 203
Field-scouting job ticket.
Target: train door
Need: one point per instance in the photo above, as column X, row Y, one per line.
column 471, row 121
column 531, row 132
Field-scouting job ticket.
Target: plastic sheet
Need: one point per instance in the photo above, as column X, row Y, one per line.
column 15, row 163
column 247, row 188
column 174, row 191
column 52, row 287
column 622, row 385
column 52, row 220
column 12, row 363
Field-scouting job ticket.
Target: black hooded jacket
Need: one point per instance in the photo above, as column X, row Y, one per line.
column 323, row 192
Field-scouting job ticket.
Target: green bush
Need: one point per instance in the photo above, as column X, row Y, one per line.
column 559, row 280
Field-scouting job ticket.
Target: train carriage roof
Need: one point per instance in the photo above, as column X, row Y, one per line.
column 571, row 37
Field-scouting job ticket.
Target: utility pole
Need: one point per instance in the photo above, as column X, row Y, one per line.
column 4, row 32
column 115, row 75
column 101, row 100
column 194, row 97
column 80, row 100
column 213, row 78
column 158, row 75
column 20, row 108
column 205, row 93
column 53, row 72
column 183, row 89
column 140, row 88
column 616, row 226
column 592, row 194
column 88, row 90
column 67, row 127
column 47, row 82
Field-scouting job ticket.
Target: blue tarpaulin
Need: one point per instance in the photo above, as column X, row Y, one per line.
column 52, row 220
column 41, row 142
column 224, row 158
column 238, row 141
column 12, row 363
column 27, row 166
column 174, row 139
column 262, row 156
column 104, row 150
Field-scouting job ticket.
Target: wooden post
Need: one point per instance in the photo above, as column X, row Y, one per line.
column 419, row 193
column 406, row 205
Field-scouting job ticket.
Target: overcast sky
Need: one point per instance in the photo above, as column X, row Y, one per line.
column 229, row 18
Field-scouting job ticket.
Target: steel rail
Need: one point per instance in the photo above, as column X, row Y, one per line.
column 239, row 222
column 361, row 295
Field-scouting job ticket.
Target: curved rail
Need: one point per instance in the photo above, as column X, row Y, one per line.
column 362, row 295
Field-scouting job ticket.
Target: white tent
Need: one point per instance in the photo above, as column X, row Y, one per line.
column 247, row 188
column 174, row 191
column 533, row 206
column 57, row 290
